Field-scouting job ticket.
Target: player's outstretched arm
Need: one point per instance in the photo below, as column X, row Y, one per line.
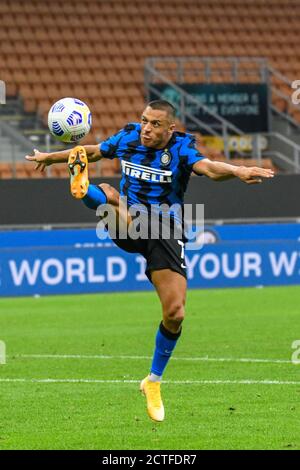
column 220, row 171
column 44, row 159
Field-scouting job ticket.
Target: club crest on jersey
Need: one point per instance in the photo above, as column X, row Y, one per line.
column 146, row 173
column 165, row 159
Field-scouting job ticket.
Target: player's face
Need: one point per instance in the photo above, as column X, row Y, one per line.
column 157, row 128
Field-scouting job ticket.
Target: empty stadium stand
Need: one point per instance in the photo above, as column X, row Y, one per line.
column 95, row 50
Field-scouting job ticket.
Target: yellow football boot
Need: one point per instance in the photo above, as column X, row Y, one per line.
column 78, row 169
column 155, row 405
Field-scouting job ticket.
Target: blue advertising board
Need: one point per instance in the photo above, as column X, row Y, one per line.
column 53, row 266
column 88, row 237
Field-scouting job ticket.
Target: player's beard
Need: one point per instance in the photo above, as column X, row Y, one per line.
column 146, row 140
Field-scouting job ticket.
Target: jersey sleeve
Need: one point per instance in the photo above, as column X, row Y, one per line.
column 189, row 152
column 109, row 147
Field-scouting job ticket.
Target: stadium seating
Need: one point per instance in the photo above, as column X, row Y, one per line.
column 95, row 50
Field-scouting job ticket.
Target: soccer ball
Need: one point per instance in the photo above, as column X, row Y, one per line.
column 69, row 120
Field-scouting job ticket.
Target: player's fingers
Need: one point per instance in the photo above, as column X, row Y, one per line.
column 268, row 173
column 37, row 166
column 254, row 181
column 264, row 172
column 32, row 158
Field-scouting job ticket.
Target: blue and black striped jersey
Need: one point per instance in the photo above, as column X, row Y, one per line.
column 151, row 176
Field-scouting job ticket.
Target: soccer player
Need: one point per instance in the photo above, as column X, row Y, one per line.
column 156, row 165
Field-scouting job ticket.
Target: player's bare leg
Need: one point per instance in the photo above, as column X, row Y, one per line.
column 119, row 210
column 171, row 289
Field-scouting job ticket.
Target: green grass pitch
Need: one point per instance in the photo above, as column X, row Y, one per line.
column 74, row 364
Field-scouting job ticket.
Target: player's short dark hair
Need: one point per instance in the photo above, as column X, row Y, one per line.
column 163, row 105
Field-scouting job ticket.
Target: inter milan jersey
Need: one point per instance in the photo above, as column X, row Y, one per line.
column 150, row 176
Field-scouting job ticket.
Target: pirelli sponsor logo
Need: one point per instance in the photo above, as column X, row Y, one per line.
column 145, row 173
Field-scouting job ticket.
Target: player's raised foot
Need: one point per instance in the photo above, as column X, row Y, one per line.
column 155, row 405
column 78, row 169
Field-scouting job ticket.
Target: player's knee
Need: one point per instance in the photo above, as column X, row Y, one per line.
column 175, row 312
column 111, row 193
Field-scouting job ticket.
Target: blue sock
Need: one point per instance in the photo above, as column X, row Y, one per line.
column 94, row 197
column 164, row 346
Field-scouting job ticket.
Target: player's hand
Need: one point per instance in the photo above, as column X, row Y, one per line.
column 41, row 158
column 253, row 174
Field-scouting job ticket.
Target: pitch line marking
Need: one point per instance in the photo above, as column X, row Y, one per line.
column 195, row 359
column 171, row 382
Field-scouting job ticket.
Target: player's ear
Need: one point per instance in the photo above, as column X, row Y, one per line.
column 172, row 127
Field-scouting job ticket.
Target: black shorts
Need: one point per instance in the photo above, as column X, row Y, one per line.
column 161, row 253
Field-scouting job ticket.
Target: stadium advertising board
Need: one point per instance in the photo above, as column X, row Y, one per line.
column 244, row 105
column 229, row 258
column 238, row 143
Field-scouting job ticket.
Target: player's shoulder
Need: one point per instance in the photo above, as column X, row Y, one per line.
column 184, row 139
column 129, row 133
column 131, row 128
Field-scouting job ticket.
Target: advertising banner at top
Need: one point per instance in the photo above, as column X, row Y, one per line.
column 244, row 105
